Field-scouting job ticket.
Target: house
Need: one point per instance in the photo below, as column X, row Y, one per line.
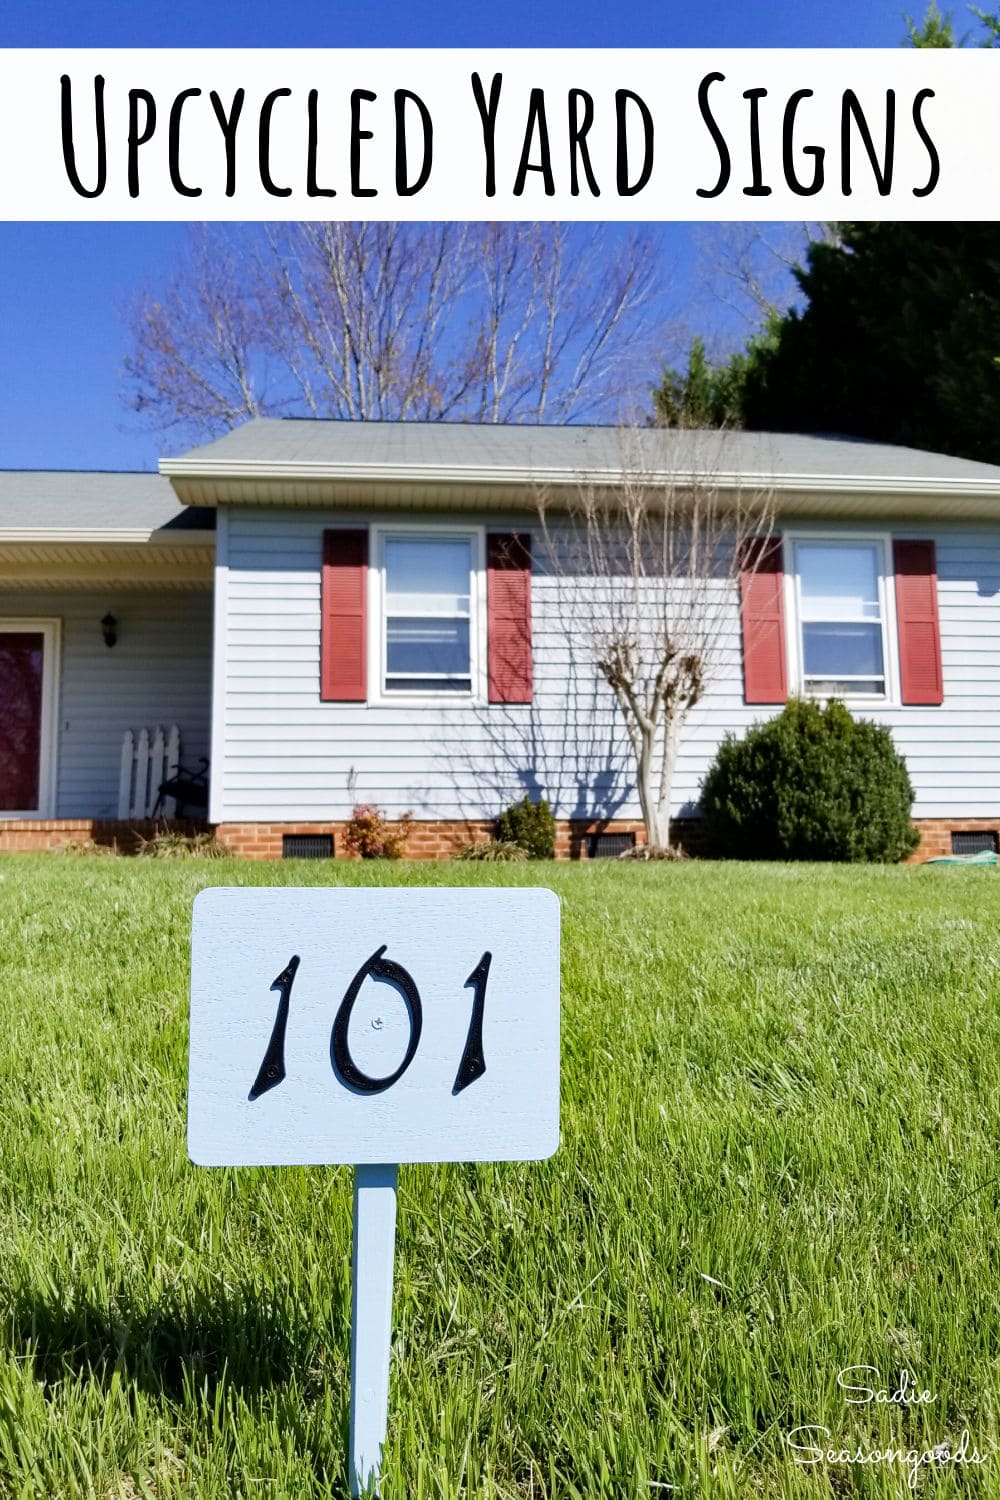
column 338, row 612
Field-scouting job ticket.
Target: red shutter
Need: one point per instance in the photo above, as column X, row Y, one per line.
column 508, row 610
column 765, row 679
column 917, row 622
column 343, row 633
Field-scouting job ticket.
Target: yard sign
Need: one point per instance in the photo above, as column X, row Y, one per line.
column 372, row 1027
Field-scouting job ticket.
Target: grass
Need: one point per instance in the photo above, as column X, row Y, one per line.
column 780, row 1123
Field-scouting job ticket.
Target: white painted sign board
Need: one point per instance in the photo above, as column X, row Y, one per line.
column 373, row 1027
column 244, row 940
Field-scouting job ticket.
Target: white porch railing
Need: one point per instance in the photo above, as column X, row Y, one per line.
column 147, row 759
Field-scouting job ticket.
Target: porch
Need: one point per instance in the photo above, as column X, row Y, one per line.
column 105, row 628
column 69, row 699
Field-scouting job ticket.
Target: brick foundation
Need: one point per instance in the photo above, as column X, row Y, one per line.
column 439, row 839
column 935, row 834
column 29, row 835
column 427, row 840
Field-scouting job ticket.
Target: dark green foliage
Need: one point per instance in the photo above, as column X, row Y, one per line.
column 714, row 395
column 529, row 824
column 708, row 395
column 937, row 29
column 813, row 783
column 899, row 341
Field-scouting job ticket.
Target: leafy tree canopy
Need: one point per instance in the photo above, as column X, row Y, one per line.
column 898, row 339
column 937, row 29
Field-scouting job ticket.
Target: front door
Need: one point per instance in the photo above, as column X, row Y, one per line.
column 25, row 717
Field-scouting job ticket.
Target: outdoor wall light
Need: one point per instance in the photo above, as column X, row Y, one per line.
column 109, row 629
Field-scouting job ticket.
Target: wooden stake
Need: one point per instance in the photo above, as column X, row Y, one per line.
column 372, row 1264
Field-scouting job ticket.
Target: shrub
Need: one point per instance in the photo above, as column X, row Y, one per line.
column 372, row 836
column 648, row 852
column 529, row 824
column 495, row 851
column 87, row 846
column 168, row 843
column 813, row 783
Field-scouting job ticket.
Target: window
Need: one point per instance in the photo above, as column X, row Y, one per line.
column 429, row 611
column 840, row 617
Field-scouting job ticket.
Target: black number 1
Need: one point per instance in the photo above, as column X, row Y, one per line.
column 473, row 1064
column 272, row 1069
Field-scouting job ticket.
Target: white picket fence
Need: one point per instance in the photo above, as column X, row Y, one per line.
column 148, row 758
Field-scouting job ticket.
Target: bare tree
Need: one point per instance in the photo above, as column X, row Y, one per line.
column 481, row 322
column 195, row 357
column 649, row 564
column 750, row 269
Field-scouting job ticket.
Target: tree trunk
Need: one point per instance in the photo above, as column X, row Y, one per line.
column 665, row 791
column 656, row 794
column 655, row 811
column 644, row 785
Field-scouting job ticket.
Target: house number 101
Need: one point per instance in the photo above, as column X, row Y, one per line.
column 386, row 971
column 362, row 1119
column 455, row 986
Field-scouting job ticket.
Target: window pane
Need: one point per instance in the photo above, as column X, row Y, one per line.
column 426, row 575
column 842, row 650
column 839, row 580
column 428, row 684
column 832, row 687
column 424, row 646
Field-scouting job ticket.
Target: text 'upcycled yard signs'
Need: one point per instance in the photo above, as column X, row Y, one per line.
column 382, row 1025
column 372, row 1027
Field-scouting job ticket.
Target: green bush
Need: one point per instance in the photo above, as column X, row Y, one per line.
column 492, row 851
column 813, row 783
column 529, row 824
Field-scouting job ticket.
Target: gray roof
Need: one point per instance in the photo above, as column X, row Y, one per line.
column 60, row 502
column 325, row 447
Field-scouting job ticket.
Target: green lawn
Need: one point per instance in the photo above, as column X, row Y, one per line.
column 780, row 1122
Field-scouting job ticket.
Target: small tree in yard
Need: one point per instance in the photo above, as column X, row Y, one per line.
column 648, row 564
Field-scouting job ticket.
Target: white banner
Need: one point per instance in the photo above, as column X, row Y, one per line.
column 488, row 134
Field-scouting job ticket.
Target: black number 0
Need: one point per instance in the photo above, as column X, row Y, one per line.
column 340, row 1053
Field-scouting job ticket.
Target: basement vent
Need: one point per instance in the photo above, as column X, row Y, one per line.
column 609, row 845
column 975, row 843
column 307, row 846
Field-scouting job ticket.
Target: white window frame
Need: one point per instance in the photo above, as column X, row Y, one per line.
column 882, row 541
column 50, row 631
column 377, row 538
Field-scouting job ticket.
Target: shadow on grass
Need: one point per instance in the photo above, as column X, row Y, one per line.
column 246, row 1338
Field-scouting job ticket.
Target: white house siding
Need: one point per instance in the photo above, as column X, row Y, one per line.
column 283, row 755
column 159, row 672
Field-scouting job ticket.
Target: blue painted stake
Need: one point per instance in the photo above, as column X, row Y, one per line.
column 372, row 1262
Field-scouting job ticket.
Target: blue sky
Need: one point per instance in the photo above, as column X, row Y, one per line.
column 64, row 286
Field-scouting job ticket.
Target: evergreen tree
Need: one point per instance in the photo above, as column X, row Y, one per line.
column 898, row 340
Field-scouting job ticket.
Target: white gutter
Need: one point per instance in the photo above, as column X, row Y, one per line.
column 260, row 471
column 97, row 536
